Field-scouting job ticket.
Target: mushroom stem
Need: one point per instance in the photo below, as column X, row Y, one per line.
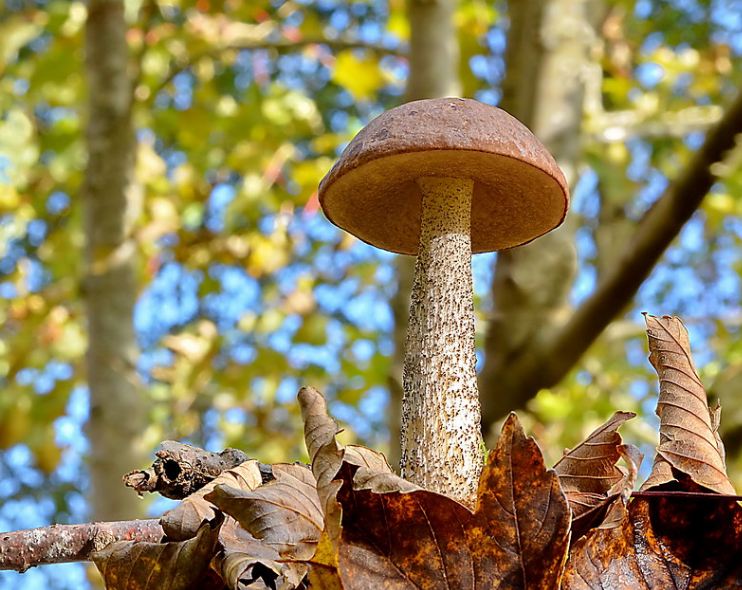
column 441, row 439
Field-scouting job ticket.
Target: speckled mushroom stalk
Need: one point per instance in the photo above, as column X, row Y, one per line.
column 440, row 409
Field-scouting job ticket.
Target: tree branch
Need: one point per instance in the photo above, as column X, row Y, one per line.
column 21, row 550
column 180, row 470
column 623, row 125
column 656, row 231
column 606, row 126
column 281, row 46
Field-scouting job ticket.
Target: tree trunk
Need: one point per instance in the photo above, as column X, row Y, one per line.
column 434, row 62
column 547, row 55
column 111, row 204
column 534, row 339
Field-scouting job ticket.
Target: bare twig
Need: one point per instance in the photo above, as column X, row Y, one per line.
column 623, row 125
column 20, row 550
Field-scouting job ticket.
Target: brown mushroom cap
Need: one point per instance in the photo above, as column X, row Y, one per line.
column 519, row 191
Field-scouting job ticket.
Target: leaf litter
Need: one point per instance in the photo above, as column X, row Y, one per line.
column 349, row 522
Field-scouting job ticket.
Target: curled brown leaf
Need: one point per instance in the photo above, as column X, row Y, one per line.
column 248, row 563
column 689, row 444
column 284, row 514
column 319, row 435
column 590, row 476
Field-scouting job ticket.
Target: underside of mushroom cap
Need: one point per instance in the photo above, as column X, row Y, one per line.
column 519, row 191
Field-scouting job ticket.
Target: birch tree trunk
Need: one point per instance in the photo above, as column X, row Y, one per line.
column 434, row 62
column 111, row 204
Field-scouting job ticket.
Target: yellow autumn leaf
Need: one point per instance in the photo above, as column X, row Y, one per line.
column 307, row 174
column 399, row 25
column 267, row 254
column 9, row 198
column 150, row 167
column 359, row 75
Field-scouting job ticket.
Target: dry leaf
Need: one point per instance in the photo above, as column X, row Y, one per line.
column 280, row 522
column 663, row 543
column 319, row 435
column 247, row 563
column 374, row 473
column 366, row 458
column 521, row 507
column 590, row 478
column 177, row 565
column 183, row 521
column 622, row 490
column 284, row 514
column 689, row 444
column 591, row 465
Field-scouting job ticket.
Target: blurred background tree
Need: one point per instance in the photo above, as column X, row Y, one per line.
column 183, row 156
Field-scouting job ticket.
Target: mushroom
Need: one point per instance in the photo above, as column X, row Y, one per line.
column 442, row 179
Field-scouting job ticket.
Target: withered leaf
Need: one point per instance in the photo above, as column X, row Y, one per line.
column 176, row 565
column 183, row 521
column 521, row 513
column 323, row 577
column 689, row 443
column 387, row 533
column 242, row 571
column 366, row 458
column 374, row 473
column 319, row 434
column 591, row 465
column 284, row 514
column 590, row 477
column 663, row 543
column 621, row 490
column 247, row 563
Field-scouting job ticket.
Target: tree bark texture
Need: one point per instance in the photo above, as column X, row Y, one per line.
column 441, row 440
column 117, row 408
column 434, row 61
column 21, row 550
column 549, row 45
